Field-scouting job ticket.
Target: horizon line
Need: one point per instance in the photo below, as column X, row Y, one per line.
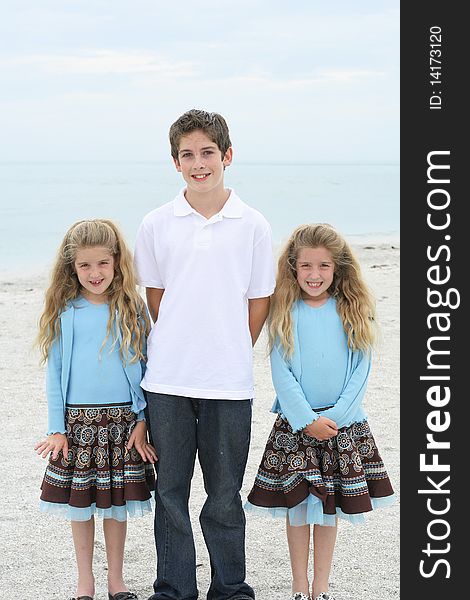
column 394, row 162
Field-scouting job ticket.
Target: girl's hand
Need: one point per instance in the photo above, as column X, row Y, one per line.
column 138, row 439
column 54, row 443
column 322, row 429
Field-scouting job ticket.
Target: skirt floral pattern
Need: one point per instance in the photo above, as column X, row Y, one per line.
column 345, row 473
column 99, row 475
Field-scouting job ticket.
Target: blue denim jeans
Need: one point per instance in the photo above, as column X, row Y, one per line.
column 219, row 432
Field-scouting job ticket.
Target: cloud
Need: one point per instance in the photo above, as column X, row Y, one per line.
column 101, row 62
column 285, row 82
column 305, row 79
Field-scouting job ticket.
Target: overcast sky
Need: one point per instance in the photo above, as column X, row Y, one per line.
column 298, row 81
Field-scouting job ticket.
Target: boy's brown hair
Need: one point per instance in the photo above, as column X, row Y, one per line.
column 211, row 123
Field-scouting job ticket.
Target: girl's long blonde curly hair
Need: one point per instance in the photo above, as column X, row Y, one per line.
column 127, row 309
column 354, row 301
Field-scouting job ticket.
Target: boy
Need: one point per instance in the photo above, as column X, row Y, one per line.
column 206, row 262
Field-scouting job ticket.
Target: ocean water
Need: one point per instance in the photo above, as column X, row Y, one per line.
column 39, row 201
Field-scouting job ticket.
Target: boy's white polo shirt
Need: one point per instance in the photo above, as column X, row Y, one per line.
column 200, row 346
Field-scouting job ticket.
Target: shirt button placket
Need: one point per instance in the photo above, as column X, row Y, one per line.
column 203, row 236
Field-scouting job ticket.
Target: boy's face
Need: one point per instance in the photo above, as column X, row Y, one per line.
column 201, row 163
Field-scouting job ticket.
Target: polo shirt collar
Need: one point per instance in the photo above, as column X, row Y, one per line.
column 232, row 209
column 181, row 206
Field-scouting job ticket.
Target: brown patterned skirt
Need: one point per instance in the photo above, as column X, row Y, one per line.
column 315, row 481
column 99, row 475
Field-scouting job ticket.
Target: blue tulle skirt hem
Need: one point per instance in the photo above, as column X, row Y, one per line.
column 310, row 512
column 131, row 509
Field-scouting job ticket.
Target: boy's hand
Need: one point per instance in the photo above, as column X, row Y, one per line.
column 138, row 439
column 322, row 429
column 54, row 443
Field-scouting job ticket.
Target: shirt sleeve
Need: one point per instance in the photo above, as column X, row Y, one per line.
column 145, row 258
column 55, row 401
column 263, row 280
column 343, row 412
column 294, row 405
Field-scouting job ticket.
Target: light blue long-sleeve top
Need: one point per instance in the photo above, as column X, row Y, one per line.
column 96, row 372
column 322, row 371
column 74, row 374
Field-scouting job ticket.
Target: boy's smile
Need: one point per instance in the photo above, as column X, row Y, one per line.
column 201, row 163
column 201, row 176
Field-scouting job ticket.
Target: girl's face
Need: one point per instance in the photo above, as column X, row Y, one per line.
column 95, row 271
column 315, row 268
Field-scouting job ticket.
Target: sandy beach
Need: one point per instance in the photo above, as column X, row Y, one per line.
column 37, row 559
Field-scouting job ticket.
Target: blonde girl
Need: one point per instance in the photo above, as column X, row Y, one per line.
column 321, row 460
column 92, row 334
